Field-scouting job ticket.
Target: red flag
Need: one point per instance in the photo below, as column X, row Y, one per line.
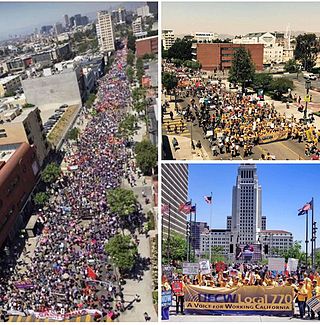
column 91, row 273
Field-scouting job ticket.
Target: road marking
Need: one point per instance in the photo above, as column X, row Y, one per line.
column 291, row 150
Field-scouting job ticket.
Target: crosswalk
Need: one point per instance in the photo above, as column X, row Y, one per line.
column 29, row 319
column 168, row 126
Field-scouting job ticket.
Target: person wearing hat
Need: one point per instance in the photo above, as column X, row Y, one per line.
column 315, row 293
column 301, row 297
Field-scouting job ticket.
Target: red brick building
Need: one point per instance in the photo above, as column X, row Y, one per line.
column 18, row 176
column 219, row 56
column 146, row 45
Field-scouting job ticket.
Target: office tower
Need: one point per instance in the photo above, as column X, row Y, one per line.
column 66, row 21
column 174, row 193
column 105, row 32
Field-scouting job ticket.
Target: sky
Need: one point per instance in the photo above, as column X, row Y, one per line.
column 16, row 17
column 239, row 18
column 285, row 189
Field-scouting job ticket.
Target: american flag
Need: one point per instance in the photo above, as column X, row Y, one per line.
column 164, row 208
column 185, row 207
column 208, row 199
column 305, row 208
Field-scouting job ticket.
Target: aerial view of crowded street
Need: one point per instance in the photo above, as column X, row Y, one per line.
column 87, row 247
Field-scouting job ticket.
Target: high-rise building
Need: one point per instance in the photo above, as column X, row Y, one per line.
column 246, row 205
column 105, row 32
column 84, row 20
column 197, row 228
column 143, row 11
column 58, row 29
column 119, row 16
column 72, row 22
column 167, row 38
column 153, row 8
column 78, row 20
column 246, row 225
column 174, row 192
column 66, row 21
column 137, row 25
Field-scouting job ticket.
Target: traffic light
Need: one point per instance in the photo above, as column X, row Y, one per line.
column 314, row 230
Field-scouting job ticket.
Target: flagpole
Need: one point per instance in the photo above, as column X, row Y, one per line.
column 169, row 233
column 307, row 240
column 189, row 242
column 209, row 229
column 312, row 238
column 195, row 221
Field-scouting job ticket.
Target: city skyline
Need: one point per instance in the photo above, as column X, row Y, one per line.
column 214, row 17
column 278, row 196
column 36, row 14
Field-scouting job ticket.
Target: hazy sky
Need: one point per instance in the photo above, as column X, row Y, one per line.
column 16, row 17
column 239, row 18
column 285, row 189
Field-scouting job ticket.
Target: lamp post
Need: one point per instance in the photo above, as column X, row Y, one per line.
column 307, row 86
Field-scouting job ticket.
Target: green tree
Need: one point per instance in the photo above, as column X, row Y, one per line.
column 169, row 81
column 123, row 252
column 291, row 66
column 127, row 126
column 262, row 81
column 280, row 86
column 307, row 49
column 192, row 64
column 73, row 134
column 41, row 198
column 131, row 44
column 122, row 202
column 146, row 156
column 140, row 69
column 90, row 100
column 176, row 247
column 130, row 73
column 293, row 252
column 216, row 254
column 181, row 49
column 130, row 57
column 242, row 68
column 51, row 173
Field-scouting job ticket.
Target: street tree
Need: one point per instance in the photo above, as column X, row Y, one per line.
column 122, row 202
column 175, row 248
column 127, row 126
column 169, row 81
column 73, row 134
column 216, row 254
column 280, row 86
column 262, row 81
column 90, row 100
column 146, row 156
column 242, row 68
column 130, row 57
column 291, row 66
column 181, row 49
column 293, row 252
column 131, row 44
column 139, row 69
column 307, row 49
column 123, row 252
column 192, row 64
column 51, row 173
column 41, row 198
column 130, row 73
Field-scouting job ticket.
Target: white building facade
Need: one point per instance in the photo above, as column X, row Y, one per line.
column 168, row 38
column 105, row 32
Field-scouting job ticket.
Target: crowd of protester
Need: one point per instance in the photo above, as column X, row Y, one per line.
column 70, row 269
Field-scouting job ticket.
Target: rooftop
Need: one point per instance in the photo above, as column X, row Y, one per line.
column 7, row 79
column 275, row 232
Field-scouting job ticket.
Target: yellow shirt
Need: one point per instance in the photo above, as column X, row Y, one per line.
column 302, row 293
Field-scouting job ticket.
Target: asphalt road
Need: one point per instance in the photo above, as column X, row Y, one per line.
column 280, row 150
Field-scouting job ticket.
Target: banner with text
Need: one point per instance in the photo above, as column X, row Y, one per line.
column 254, row 300
column 273, row 136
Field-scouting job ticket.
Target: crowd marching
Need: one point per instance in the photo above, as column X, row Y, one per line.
column 230, row 121
column 70, row 269
column 305, row 284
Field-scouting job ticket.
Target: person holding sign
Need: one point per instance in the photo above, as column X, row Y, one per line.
column 177, row 288
column 316, row 294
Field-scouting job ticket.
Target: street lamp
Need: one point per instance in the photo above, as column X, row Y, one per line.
column 307, row 86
